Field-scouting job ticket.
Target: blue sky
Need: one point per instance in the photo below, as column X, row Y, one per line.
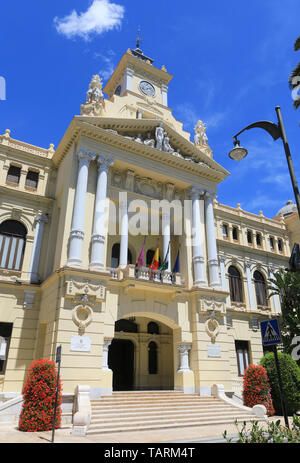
column 230, row 60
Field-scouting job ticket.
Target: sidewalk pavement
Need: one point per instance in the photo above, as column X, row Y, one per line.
column 207, row 434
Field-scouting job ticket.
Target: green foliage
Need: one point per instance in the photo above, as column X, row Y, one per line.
column 295, row 73
column 286, row 284
column 273, row 433
column 290, row 377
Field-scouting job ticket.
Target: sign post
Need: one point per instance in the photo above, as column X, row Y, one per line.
column 57, row 360
column 270, row 334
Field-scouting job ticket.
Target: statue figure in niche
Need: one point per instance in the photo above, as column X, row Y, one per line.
column 159, row 136
column 166, row 144
column 200, row 134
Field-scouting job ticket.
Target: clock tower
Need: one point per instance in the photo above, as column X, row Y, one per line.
column 136, row 76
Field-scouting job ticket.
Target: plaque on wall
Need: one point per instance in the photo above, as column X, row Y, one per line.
column 80, row 344
column 213, row 350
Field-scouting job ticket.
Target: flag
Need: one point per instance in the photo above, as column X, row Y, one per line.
column 155, row 260
column 140, row 261
column 165, row 263
column 176, row 266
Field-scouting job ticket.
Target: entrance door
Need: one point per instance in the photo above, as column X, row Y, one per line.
column 121, row 362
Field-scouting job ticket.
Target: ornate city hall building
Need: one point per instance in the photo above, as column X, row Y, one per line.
column 115, row 247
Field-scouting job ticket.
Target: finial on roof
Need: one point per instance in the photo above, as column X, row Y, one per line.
column 138, row 40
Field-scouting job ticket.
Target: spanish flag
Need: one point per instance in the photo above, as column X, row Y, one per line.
column 155, row 261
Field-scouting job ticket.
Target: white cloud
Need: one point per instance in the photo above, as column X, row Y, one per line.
column 100, row 17
column 109, row 66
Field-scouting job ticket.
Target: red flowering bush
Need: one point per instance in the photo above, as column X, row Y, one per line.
column 256, row 389
column 39, row 393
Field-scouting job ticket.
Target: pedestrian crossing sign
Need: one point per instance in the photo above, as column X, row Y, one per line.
column 270, row 332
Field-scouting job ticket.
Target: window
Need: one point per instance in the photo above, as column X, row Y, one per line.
column 13, row 174
column 153, row 328
column 225, row 230
column 128, row 326
column 271, row 239
column 280, row 246
column 258, row 239
column 249, row 237
column 5, row 335
column 152, row 358
column 115, row 256
column 235, row 233
column 32, row 179
column 235, row 284
column 260, row 289
column 12, row 244
column 242, row 356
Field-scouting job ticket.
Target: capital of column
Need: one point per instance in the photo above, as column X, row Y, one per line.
column 184, row 348
column 85, row 157
column 210, row 195
column 106, row 344
column 195, row 192
column 98, row 239
column 222, row 259
column 41, row 218
column 104, row 162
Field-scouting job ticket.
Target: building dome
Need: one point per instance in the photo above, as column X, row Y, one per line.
column 288, row 209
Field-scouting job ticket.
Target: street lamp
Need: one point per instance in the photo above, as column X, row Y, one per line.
column 276, row 131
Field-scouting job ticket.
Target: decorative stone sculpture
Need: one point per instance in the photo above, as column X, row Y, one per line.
column 149, row 141
column 139, row 138
column 166, row 144
column 93, row 105
column 200, row 134
column 159, row 136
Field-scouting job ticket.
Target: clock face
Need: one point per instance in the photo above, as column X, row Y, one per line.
column 147, row 88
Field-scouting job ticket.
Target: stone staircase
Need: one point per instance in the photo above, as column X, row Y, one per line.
column 154, row 410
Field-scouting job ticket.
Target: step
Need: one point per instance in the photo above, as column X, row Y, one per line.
column 174, row 416
column 117, row 402
column 101, row 430
column 157, row 409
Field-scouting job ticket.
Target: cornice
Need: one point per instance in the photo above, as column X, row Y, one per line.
column 24, row 195
column 252, row 251
column 8, row 144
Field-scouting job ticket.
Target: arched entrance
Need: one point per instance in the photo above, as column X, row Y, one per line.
column 141, row 355
column 121, row 362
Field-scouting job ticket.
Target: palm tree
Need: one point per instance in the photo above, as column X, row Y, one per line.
column 293, row 83
column 286, row 284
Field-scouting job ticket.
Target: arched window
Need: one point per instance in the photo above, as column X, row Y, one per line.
column 260, row 288
column 12, row 244
column 115, row 256
column 153, row 328
column 235, row 284
column 152, row 358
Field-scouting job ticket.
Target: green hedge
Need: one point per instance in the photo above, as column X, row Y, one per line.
column 290, row 376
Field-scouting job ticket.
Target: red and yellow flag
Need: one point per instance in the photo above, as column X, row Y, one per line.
column 155, row 261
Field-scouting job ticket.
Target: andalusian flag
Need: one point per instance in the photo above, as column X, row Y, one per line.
column 165, row 263
column 155, row 261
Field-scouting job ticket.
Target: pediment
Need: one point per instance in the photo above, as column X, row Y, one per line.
column 141, row 135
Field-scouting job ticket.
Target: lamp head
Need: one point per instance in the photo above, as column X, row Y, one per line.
column 238, row 152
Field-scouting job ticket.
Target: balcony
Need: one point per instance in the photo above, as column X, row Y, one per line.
column 145, row 274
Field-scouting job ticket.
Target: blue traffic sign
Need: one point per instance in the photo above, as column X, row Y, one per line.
column 270, row 332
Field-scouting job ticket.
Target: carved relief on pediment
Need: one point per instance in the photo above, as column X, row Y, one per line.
column 211, row 303
column 85, row 289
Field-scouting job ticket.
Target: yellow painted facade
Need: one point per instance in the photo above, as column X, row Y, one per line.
column 59, row 295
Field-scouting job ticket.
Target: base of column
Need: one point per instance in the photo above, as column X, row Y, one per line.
column 76, row 262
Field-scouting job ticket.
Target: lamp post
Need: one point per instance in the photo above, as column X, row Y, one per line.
column 276, row 131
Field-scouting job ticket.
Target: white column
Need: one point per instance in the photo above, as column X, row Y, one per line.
column 128, row 79
column 223, row 272
column 123, row 220
column 166, row 230
column 77, row 230
column 98, row 237
column 197, row 239
column 250, row 286
column 184, row 357
column 275, row 298
column 212, row 254
column 40, row 221
column 106, row 344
